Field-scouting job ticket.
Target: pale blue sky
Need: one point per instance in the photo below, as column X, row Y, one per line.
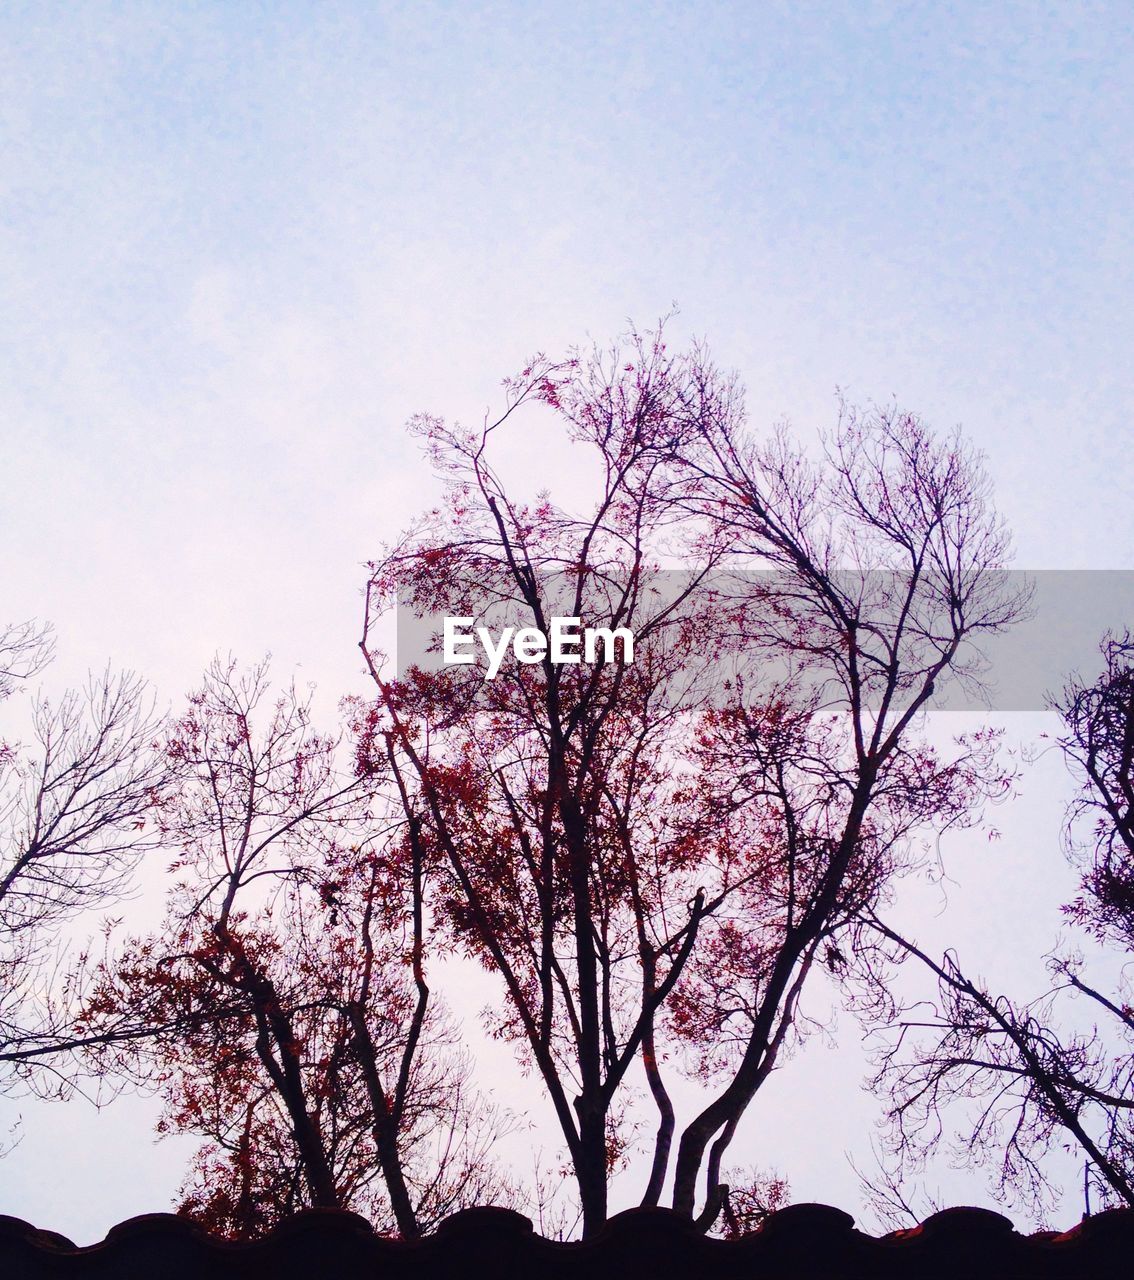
column 240, row 243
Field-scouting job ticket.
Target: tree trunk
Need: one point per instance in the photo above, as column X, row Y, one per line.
column 384, row 1128
column 590, row 1164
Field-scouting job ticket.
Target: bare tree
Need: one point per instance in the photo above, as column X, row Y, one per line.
column 25, row 649
column 883, row 558
column 75, row 816
column 1099, row 745
column 1031, row 1084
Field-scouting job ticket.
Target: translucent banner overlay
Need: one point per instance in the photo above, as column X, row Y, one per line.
column 1019, row 668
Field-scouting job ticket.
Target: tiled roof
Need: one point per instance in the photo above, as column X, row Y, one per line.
column 803, row 1242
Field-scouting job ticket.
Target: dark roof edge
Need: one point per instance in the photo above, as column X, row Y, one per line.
column 791, row 1242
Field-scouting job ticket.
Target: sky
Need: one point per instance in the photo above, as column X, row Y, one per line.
column 241, row 243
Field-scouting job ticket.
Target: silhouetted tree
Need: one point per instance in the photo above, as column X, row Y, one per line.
column 560, row 801
column 669, row 844
column 1034, row 1085
column 74, row 819
column 297, row 1029
column 882, row 556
